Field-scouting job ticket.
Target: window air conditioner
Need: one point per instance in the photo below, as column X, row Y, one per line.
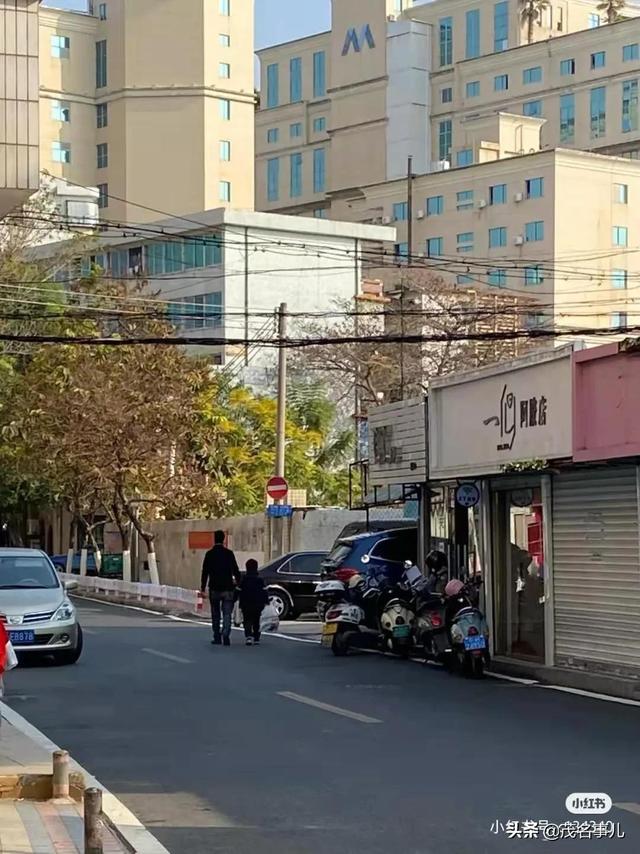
column 482, row 204
column 386, row 220
column 420, row 215
column 519, row 240
column 518, row 197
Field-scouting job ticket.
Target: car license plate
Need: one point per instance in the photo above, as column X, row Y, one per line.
column 401, row 631
column 475, row 642
column 22, row 637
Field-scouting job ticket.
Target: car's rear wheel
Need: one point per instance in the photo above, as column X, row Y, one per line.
column 282, row 603
column 70, row 656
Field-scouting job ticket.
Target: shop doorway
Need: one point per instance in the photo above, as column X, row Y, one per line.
column 519, row 572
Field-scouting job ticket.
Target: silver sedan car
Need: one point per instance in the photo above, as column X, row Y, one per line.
column 35, row 608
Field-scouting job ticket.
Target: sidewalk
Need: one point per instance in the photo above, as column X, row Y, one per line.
column 37, row 826
column 44, row 827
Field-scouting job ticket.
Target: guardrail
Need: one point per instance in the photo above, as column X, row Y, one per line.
column 174, row 598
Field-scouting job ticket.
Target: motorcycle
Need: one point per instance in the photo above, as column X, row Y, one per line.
column 462, row 641
column 329, row 593
column 344, row 627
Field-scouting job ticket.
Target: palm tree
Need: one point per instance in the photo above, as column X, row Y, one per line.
column 531, row 11
column 612, row 9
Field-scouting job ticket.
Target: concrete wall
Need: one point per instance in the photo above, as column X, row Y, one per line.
column 310, row 530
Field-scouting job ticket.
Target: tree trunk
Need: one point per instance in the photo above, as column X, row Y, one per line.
column 530, row 21
column 152, row 560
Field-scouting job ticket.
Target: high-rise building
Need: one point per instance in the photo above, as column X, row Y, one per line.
column 152, row 102
column 18, row 102
column 522, row 134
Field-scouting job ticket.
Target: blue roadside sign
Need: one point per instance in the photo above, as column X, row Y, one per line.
column 277, row 511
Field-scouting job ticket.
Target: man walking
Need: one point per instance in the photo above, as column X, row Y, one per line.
column 220, row 571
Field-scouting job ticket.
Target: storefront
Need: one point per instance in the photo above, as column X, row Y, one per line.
column 501, row 429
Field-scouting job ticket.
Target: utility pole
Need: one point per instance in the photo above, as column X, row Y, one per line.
column 281, row 419
column 282, row 391
column 403, row 282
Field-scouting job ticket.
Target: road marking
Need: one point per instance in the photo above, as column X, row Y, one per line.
column 592, row 695
column 634, row 808
column 530, row 682
column 167, row 655
column 326, row 707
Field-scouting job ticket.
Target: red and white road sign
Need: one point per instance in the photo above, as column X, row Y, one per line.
column 277, row 488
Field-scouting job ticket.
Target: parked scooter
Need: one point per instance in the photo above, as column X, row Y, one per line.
column 467, row 630
column 329, row 593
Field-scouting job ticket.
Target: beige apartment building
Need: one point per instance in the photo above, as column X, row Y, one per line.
column 18, row 102
column 558, row 227
column 500, row 120
column 346, row 108
column 152, row 102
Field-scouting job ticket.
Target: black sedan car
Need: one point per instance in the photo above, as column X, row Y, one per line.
column 291, row 582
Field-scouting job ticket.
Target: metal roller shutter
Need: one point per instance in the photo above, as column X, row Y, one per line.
column 596, row 569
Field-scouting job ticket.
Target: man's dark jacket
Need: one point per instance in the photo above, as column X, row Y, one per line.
column 220, row 570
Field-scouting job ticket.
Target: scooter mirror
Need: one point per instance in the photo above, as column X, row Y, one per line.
column 365, row 559
column 408, row 564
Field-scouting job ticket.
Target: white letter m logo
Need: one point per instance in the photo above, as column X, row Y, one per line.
column 358, row 40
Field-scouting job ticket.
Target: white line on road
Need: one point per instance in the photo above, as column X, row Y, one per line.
column 167, row 655
column 326, row 707
column 531, row 683
column 592, row 695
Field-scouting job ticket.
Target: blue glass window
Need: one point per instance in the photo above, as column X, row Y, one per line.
column 435, row 205
column 598, row 59
column 464, row 157
column 497, row 278
column 532, row 75
column 319, row 124
column 501, row 83
column 464, row 200
column 273, row 85
column 435, row 247
column 446, row 41
column 501, row 26
column 400, row 211
column 473, row 34
column 497, row 237
column 533, row 275
column 567, row 67
column 273, row 179
column 465, row 242
column 567, row 118
column 620, row 235
column 295, row 79
column 534, row 231
column 444, row 139
column 629, row 106
column 273, row 134
column 319, row 74
column 319, row 170
column 630, row 52
column 598, row 112
column 498, row 194
column 535, row 188
column 532, row 108
column 295, row 182
column 473, row 89
column 619, row 279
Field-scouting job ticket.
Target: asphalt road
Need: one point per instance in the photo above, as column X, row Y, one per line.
column 201, row 744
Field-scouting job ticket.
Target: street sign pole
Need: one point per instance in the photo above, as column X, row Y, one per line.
column 282, row 392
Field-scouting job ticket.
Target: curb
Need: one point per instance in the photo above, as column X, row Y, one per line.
column 119, row 817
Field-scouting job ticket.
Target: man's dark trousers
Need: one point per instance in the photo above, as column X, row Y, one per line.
column 221, row 609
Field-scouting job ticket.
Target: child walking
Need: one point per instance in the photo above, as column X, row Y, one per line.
column 253, row 598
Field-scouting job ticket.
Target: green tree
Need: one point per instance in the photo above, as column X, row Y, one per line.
column 612, row 9
column 531, row 12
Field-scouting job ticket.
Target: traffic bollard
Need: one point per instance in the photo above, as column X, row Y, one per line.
column 60, row 774
column 93, row 821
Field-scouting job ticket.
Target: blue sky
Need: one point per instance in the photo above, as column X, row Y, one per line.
column 276, row 20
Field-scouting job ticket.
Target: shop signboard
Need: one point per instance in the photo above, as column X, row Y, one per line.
column 483, row 422
column 397, row 435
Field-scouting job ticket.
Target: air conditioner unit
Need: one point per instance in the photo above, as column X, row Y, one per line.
column 518, row 197
column 440, row 166
column 519, row 240
column 482, row 204
column 386, row 220
column 420, row 215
